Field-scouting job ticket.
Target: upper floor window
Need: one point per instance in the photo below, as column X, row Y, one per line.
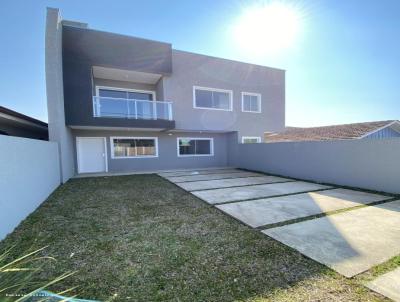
column 251, row 102
column 121, row 93
column 211, row 98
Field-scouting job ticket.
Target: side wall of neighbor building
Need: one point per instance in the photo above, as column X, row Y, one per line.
column 58, row 132
column 167, row 151
column 189, row 69
column 384, row 133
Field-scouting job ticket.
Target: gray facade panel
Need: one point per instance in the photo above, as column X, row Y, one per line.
column 198, row 70
column 84, row 48
column 167, row 151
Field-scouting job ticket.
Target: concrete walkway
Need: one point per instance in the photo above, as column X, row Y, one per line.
column 258, row 191
column 261, row 212
column 349, row 242
column 387, row 285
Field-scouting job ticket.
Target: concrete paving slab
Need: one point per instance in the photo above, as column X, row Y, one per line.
column 199, row 172
column 260, row 212
column 387, row 285
column 350, row 242
column 231, row 182
column 177, row 179
column 256, row 191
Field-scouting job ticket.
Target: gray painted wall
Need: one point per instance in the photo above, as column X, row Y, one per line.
column 189, row 69
column 58, row 132
column 84, row 48
column 167, row 151
column 29, row 172
column 368, row 164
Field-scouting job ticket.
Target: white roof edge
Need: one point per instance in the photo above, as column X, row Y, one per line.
column 381, row 128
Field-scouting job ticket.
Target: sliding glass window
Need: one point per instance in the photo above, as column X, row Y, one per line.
column 195, row 146
column 210, row 98
column 132, row 147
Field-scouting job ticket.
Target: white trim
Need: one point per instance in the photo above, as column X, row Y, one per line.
column 258, row 95
column 381, row 128
column 195, row 138
column 251, row 137
column 78, row 151
column 152, row 92
column 133, row 137
column 230, row 92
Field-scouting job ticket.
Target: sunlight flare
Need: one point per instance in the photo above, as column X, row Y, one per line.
column 267, row 28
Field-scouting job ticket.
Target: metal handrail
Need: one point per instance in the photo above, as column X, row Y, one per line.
column 154, row 115
column 135, row 100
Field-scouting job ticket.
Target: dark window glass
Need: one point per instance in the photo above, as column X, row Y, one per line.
column 251, row 103
column 203, row 147
column 107, row 93
column 221, row 100
column 194, row 147
column 140, row 96
column 204, row 98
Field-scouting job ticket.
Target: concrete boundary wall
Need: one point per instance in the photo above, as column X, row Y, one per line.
column 372, row 164
column 29, row 173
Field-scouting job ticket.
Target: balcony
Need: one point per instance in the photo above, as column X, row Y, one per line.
column 131, row 109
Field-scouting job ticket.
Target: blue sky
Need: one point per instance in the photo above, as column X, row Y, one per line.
column 343, row 66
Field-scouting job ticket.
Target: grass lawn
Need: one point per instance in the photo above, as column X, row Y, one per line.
column 141, row 238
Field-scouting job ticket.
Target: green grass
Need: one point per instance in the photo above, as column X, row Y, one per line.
column 141, row 238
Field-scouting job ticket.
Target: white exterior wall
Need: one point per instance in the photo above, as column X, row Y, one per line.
column 29, row 173
column 58, row 132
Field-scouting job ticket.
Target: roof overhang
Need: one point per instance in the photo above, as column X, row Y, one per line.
column 125, row 75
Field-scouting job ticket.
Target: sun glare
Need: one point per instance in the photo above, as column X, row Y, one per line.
column 267, row 28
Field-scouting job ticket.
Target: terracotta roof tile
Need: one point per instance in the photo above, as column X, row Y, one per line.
column 347, row 131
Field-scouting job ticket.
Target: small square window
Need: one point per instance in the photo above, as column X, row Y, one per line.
column 251, row 102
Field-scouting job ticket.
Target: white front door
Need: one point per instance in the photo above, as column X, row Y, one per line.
column 92, row 155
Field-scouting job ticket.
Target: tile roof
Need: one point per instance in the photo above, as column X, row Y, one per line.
column 347, row 131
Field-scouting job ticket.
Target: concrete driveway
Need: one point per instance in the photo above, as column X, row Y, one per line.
column 331, row 225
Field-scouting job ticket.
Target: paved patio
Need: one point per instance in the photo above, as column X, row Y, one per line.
column 387, row 285
column 349, row 242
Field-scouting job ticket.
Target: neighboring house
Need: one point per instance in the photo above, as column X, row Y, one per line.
column 369, row 130
column 118, row 103
column 17, row 124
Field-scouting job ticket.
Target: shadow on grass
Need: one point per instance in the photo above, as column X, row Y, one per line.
column 141, row 238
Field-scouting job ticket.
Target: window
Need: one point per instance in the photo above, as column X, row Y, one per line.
column 210, row 98
column 134, row 147
column 195, row 146
column 251, row 139
column 121, row 93
column 112, row 102
column 251, row 102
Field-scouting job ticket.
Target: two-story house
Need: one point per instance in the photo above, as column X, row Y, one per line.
column 119, row 104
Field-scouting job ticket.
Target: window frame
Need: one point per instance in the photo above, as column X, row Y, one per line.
column 251, row 137
column 133, row 137
column 195, row 138
column 258, row 95
column 98, row 87
column 230, row 92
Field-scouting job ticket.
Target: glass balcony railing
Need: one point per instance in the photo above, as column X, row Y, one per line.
column 132, row 109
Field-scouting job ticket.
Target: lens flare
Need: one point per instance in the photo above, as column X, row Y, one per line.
column 267, row 28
